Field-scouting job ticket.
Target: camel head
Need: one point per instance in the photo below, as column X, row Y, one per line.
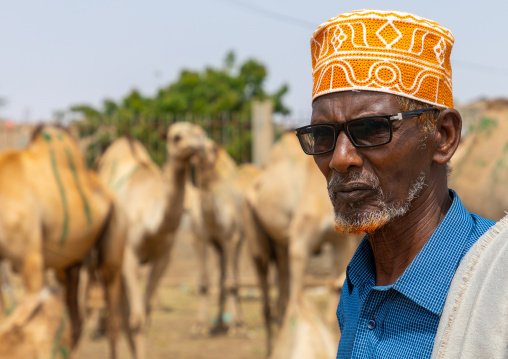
column 184, row 140
column 206, row 159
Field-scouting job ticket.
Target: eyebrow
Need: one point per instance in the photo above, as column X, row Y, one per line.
column 363, row 114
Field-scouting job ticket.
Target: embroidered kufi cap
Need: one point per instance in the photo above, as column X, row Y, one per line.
column 386, row 51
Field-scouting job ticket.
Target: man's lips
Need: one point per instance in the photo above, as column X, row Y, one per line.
column 351, row 192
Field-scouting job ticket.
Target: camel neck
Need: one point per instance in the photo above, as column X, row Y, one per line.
column 205, row 177
column 176, row 170
column 175, row 176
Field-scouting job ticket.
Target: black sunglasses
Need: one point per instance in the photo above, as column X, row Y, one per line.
column 363, row 132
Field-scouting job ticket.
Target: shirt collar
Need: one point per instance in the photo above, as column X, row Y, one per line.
column 427, row 279
column 360, row 272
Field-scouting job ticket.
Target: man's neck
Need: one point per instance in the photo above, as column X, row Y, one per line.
column 397, row 243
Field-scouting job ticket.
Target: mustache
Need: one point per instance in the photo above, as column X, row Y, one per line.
column 338, row 179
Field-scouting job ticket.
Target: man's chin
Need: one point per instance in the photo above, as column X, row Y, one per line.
column 360, row 226
column 357, row 218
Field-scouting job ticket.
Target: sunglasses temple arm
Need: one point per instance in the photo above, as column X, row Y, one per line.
column 414, row 113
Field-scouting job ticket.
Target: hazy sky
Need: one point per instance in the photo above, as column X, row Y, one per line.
column 57, row 53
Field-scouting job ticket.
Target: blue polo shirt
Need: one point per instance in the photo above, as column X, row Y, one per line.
column 401, row 320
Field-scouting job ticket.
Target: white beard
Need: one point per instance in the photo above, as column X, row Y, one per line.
column 368, row 222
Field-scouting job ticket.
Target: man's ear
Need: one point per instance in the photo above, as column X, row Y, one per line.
column 448, row 129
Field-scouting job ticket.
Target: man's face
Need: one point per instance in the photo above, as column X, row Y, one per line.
column 369, row 187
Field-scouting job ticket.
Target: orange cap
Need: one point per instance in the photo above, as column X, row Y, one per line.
column 386, row 51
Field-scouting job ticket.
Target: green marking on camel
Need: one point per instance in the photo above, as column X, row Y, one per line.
column 10, row 310
column 486, row 124
column 505, row 148
column 124, row 178
column 56, row 343
column 63, row 195
column 480, row 163
column 292, row 321
column 500, row 164
column 46, row 136
column 113, row 172
column 86, row 206
column 64, row 351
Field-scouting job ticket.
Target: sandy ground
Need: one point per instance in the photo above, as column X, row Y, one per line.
column 176, row 304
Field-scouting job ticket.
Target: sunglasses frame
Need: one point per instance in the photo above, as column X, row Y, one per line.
column 344, row 126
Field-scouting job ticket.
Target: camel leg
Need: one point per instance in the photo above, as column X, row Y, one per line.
column 71, row 299
column 5, row 290
column 157, row 271
column 220, row 326
column 89, row 315
column 112, row 283
column 112, row 280
column 95, row 315
column 200, row 328
column 3, row 285
column 298, row 258
column 262, row 266
column 33, row 271
column 83, row 290
column 261, row 253
column 125, row 313
column 112, row 248
column 304, row 237
column 282, row 263
column 231, row 284
column 133, row 303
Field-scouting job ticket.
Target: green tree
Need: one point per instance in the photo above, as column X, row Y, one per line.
column 203, row 96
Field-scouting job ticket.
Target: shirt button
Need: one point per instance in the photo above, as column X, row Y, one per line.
column 371, row 324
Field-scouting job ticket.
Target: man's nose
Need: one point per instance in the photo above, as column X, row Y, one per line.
column 345, row 155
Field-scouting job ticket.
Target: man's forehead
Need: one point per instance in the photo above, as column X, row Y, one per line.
column 354, row 103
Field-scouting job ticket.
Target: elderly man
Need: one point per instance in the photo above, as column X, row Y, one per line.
column 383, row 129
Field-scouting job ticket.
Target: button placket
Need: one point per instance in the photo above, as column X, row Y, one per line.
column 368, row 326
column 371, row 324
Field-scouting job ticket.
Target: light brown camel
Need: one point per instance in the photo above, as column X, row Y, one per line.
column 37, row 329
column 216, row 209
column 293, row 217
column 53, row 213
column 5, row 289
column 480, row 166
column 153, row 200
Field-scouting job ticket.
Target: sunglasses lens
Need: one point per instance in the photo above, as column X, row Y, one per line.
column 370, row 132
column 316, row 139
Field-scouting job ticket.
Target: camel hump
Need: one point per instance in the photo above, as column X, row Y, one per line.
column 139, row 151
column 127, row 146
column 225, row 165
column 286, row 148
column 50, row 133
column 61, row 145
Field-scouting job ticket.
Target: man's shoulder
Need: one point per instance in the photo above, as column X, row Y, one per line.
column 473, row 322
column 480, row 227
column 459, row 212
column 482, row 224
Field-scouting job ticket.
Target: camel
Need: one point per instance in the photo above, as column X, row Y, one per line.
column 480, row 166
column 37, row 329
column 5, row 288
column 153, row 199
column 291, row 218
column 54, row 213
column 216, row 208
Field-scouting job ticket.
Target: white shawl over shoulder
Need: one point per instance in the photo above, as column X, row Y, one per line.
column 474, row 321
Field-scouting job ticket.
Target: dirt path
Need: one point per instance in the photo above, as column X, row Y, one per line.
column 176, row 305
column 169, row 333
